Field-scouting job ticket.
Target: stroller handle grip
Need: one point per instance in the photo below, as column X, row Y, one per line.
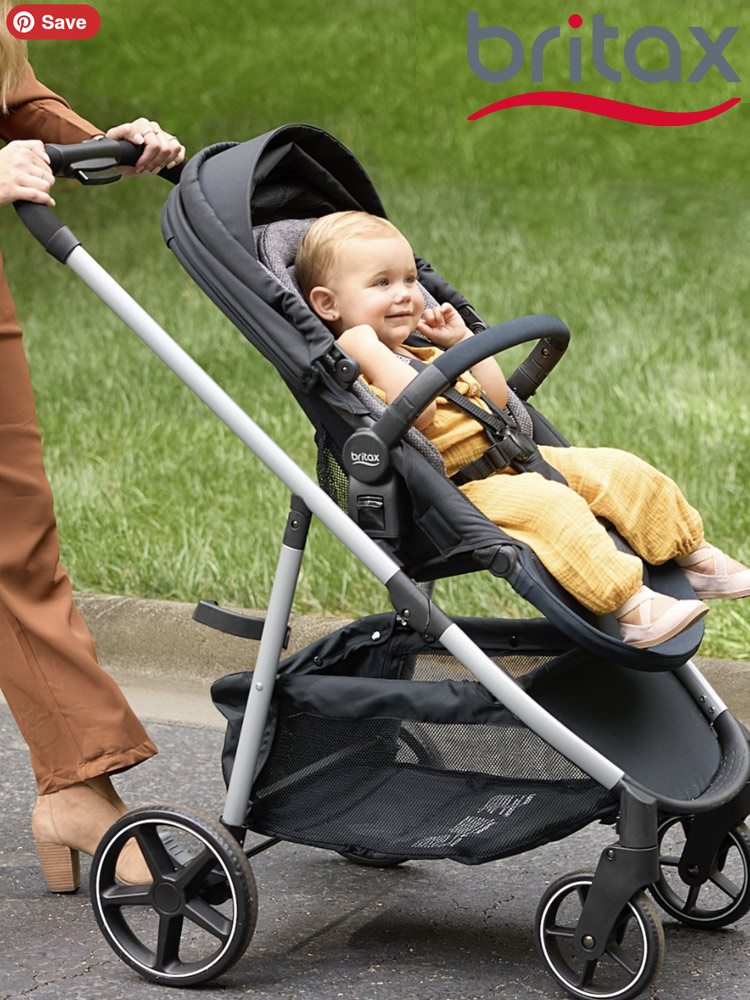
column 92, row 162
column 94, row 154
column 553, row 336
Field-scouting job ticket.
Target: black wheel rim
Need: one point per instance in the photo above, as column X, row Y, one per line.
column 192, row 921
column 723, row 898
column 631, row 957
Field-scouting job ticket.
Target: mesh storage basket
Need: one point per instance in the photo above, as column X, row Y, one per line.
column 383, row 745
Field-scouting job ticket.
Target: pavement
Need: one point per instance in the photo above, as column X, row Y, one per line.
column 327, row 929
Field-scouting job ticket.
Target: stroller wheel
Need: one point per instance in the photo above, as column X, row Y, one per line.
column 724, row 898
column 197, row 916
column 633, row 954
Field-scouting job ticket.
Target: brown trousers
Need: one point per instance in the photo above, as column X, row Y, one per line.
column 74, row 718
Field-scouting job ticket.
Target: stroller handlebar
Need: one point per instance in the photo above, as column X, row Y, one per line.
column 93, row 154
column 553, row 336
column 94, row 161
column 91, row 162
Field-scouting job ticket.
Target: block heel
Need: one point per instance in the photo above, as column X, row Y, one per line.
column 61, row 866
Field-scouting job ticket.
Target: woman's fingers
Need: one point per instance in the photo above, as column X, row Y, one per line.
column 24, row 173
column 161, row 148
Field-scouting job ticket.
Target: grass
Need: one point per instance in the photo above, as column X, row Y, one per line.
column 636, row 236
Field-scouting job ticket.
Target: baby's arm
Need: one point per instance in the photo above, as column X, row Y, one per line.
column 444, row 327
column 381, row 367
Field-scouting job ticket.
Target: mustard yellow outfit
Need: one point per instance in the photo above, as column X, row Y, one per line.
column 560, row 522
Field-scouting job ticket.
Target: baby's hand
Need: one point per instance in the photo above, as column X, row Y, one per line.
column 443, row 326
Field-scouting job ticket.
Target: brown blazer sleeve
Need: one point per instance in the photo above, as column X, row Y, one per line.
column 35, row 112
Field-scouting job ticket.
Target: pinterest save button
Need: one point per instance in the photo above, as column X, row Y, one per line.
column 53, row 21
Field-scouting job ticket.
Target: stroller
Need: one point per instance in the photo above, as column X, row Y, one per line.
column 412, row 735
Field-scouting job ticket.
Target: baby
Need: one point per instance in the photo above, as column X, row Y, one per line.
column 358, row 274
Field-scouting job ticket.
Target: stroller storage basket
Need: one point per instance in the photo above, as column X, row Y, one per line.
column 380, row 743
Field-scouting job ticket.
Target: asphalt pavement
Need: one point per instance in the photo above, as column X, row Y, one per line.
column 327, row 928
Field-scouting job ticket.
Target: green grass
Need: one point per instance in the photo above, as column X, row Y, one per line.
column 636, row 236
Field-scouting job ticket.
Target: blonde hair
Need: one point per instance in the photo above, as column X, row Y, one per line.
column 324, row 241
column 12, row 57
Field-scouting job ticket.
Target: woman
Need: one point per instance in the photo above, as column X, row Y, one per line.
column 74, row 718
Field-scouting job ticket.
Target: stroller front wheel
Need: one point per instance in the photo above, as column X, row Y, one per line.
column 724, row 898
column 197, row 916
column 634, row 950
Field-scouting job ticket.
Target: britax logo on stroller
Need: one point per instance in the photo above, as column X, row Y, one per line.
column 365, row 458
column 713, row 57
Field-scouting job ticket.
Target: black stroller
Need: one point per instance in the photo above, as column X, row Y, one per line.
column 413, row 735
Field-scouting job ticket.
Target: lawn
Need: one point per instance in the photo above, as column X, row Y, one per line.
column 636, row 236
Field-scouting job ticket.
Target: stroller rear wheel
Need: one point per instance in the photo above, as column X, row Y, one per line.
column 633, row 954
column 197, row 916
column 724, row 898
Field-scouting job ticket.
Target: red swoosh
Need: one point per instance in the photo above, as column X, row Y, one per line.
column 606, row 107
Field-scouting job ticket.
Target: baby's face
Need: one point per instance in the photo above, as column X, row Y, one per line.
column 375, row 282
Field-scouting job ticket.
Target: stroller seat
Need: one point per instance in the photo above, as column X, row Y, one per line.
column 284, row 180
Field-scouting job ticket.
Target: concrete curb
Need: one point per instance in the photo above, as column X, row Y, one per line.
column 154, row 644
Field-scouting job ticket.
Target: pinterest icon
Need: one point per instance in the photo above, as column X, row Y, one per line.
column 23, row 21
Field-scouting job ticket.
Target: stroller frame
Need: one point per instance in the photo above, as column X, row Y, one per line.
column 627, row 866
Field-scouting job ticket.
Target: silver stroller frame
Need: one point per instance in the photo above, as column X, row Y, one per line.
column 625, row 868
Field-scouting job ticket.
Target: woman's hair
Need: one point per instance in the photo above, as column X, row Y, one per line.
column 12, row 56
column 326, row 238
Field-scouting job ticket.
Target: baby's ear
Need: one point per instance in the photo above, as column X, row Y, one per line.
column 323, row 303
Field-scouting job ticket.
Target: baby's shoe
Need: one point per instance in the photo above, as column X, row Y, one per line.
column 654, row 618
column 727, row 578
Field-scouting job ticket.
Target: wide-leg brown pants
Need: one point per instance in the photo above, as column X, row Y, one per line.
column 74, row 718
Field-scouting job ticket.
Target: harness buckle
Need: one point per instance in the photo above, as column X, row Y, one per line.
column 522, row 445
column 513, row 447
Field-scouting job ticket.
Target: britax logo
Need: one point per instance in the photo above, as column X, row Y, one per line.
column 501, row 46
column 365, row 458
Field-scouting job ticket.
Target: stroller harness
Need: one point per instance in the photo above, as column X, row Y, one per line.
column 510, row 446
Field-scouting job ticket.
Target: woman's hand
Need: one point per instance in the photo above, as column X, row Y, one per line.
column 443, row 326
column 162, row 149
column 24, row 173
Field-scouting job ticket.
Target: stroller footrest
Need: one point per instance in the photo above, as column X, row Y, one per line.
column 232, row 622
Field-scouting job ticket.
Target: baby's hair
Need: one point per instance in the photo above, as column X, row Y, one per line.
column 325, row 240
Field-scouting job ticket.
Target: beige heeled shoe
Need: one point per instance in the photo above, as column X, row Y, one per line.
column 75, row 819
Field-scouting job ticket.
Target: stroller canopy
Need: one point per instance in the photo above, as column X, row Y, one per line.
column 294, row 172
